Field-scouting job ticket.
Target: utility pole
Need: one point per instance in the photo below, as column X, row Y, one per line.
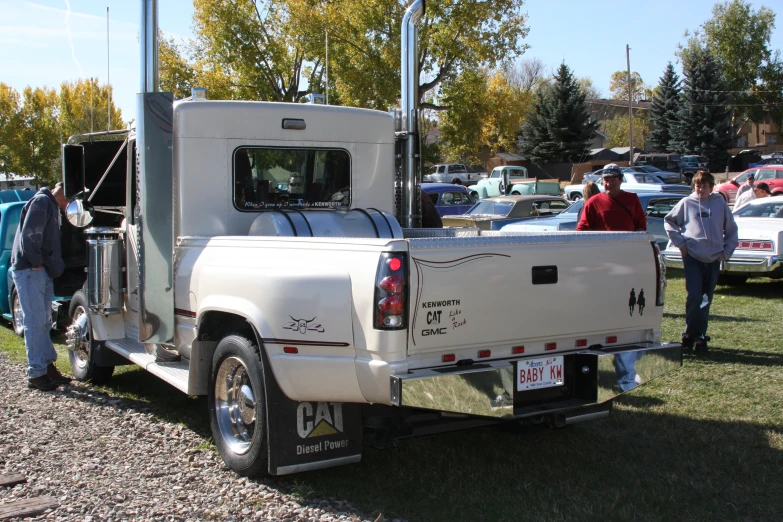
column 108, row 78
column 630, row 104
column 92, row 108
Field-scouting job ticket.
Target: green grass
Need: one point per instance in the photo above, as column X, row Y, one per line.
column 702, row 443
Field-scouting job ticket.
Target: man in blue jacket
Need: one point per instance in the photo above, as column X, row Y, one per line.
column 703, row 228
column 36, row 259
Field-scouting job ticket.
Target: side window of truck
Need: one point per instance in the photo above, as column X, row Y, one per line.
column 267, row 178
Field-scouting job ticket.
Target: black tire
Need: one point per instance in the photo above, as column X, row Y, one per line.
column 456, row 181
column 514, row 193
column 576, row 196
column 82, row 356
column 16, row 314
column 237, row 406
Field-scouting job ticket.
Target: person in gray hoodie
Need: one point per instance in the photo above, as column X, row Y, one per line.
column 36, row 260
column 703, row 228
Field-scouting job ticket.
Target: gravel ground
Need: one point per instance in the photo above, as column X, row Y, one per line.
column 105, row 458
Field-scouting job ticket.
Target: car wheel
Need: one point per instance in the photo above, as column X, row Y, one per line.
column 576, row 196
column 456, row 181
column 81, row 346
column 16, row 314
column 514, row 193
column 237, row 406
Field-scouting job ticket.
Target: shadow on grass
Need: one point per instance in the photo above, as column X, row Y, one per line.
column 639, row 401
column 738, row 356
column 632, row 466
column 758, row 288
column 716, row 318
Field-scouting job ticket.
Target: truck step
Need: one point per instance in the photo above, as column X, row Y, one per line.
column 174, row 373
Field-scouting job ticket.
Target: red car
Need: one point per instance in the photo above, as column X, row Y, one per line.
column 772, row 175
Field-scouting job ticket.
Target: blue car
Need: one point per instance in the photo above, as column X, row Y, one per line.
column 449, row 199
column 64, row 286
column 9, row 196
column 657, row 205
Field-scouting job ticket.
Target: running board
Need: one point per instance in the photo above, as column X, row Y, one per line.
column 175, row 373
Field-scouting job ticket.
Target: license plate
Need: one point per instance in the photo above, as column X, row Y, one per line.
column 534, row 374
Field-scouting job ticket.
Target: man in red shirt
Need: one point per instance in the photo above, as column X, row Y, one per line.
column 613, row 210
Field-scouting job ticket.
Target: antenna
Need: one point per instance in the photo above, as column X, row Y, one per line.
column 327, row 67
column 108, row 78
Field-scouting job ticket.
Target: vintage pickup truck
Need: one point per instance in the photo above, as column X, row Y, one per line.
column 513, row 180
column 332, row 319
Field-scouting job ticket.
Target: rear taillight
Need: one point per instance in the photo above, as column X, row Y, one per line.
column 755, row 245
column 660, row 275
column 391, row 292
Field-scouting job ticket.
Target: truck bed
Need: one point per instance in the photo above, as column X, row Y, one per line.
column 544, row 291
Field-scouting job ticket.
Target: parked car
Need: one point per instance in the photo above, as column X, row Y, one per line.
column 760, row 248
column 633, row 181
column 666, row 177
column 11, row 195
column 769, row 160
column 772, row 175
column 455, row 173
column 449, row 199
column 657, row 205
column 502, row 208
column 64, row 286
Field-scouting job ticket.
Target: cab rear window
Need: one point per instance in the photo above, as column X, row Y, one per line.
column 269, row 178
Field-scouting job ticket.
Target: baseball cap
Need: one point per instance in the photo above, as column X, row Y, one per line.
column 751, row 176
column 762, row 186
column 613, row 171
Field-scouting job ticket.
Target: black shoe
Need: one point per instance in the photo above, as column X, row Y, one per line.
column 43, row 383
column 687, row 345
column 55, row 376
column 701, row 346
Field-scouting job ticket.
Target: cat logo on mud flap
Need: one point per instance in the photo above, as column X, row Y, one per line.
column 328, row 419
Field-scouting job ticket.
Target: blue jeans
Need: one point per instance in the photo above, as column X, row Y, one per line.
column 36, row 291
column 625, row 369
column 700, row 281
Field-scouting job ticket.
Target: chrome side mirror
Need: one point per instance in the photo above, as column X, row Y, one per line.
column 79, row 213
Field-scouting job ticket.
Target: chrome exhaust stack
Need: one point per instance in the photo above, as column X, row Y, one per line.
column 409, row 121
column 148, row 40
column 154, row 136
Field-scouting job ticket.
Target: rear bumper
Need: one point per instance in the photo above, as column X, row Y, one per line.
column 760, row 265
column 488, row 390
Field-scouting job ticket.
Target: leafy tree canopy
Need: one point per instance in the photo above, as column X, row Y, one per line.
column 617, row 129
column 738, row 37
column 276, row 49
column 618, row 86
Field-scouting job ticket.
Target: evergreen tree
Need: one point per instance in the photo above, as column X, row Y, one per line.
column 665, row 111
column 705, row 117
column 559, row 127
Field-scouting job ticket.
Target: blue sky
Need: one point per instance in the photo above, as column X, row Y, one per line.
column 45, row 42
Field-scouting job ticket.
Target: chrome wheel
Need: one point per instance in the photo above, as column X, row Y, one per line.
column 79, row 339
column 235, row 405
column 18, row 316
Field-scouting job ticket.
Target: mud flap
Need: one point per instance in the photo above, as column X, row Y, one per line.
column 304, row 436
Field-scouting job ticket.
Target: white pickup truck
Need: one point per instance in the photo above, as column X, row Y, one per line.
column 268, row 255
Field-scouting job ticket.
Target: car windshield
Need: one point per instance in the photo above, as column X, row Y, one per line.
column 574, row 207
column 501, row 208
column 772, row 209
column 651, row 169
